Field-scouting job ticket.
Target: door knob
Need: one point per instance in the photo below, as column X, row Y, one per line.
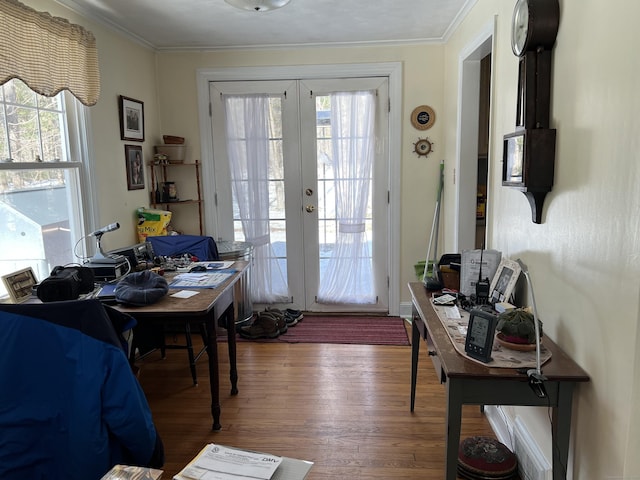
column 310, row 208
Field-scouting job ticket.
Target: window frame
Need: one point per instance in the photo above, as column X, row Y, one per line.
column 81, row 186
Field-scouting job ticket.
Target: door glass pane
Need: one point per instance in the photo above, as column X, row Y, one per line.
column 254, row 164
column 344, row 198
column 326, row 193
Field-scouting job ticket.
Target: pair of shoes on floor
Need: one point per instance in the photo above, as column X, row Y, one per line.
column 290, row 315
column 264, row 326
column 277, row 317
column 271, row 323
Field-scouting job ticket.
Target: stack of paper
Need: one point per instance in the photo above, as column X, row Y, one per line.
column 200, row 280
column 216, row 462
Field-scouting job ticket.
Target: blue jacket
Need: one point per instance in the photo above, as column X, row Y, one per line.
column 70, row 406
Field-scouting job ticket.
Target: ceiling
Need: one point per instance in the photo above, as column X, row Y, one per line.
column 214, row 24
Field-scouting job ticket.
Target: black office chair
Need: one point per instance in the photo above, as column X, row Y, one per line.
column 148, row 337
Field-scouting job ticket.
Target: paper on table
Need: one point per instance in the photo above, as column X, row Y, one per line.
column 216, row 265
column 185, row 294
column 199, row 280
column 289, row 469
column 238, row 463
column 452, row 312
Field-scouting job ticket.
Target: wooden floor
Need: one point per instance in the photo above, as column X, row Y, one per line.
column 344, row 407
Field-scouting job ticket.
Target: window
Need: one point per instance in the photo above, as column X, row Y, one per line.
column 42, row 180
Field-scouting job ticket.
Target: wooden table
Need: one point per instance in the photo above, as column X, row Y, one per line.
column 468, row 382
column 208, row 306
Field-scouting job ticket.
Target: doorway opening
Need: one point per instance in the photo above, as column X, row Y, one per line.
column 473, row 163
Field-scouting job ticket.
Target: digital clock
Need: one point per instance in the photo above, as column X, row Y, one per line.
column 480, row 334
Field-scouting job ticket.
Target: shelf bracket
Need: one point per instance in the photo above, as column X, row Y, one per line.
column 536, row 201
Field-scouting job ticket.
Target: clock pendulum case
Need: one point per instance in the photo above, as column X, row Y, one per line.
column 529, row 152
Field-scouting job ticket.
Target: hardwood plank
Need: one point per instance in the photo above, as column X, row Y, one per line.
column 344, row 407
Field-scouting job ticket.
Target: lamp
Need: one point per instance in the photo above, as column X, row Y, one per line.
column 536, row 378
column 100, row 256
column 258, row 5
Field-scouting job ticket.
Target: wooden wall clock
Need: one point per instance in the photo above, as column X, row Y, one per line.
column 529, row 153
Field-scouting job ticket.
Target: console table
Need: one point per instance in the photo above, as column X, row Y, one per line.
column 468, row 382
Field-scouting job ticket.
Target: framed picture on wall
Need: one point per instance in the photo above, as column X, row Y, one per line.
column 131, row 119
column 135, row 167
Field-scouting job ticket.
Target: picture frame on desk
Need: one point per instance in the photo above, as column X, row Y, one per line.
column 131, row 119
column 504, row 281
column 20, row 284
column 135, row 167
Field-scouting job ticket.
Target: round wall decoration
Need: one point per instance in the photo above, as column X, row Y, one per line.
column 423, row 147
column 423, row 117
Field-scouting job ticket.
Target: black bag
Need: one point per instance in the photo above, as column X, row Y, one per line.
column 65, row 283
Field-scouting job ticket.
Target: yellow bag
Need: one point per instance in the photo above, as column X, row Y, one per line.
column 152, row 223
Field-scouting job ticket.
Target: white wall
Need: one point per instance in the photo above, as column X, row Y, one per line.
column 584, row 258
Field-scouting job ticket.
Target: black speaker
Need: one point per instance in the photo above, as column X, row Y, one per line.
column 65, row 283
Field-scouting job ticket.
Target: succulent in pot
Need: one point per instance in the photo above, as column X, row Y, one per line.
column 517, row 326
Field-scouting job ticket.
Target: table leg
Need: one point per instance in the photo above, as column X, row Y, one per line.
column 231, row 341
column 214, row 379
column 415, row 350
column 560, row 430
column 454, row 420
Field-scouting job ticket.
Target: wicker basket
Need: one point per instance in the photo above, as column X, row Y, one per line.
column 172, row 140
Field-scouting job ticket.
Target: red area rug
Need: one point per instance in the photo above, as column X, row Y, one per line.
column 344, row 329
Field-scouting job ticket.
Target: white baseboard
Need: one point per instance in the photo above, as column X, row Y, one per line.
column 500, row 424
column 406, row 310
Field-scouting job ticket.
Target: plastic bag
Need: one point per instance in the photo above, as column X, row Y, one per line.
column 152, row 223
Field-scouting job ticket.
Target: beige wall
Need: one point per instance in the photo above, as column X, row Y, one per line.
column 125, row 69
column 584, row 258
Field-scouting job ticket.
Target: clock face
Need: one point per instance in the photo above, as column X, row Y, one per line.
column 520, row 27
column 534, row 25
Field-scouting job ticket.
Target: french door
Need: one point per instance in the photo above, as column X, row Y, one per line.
column 301, row 172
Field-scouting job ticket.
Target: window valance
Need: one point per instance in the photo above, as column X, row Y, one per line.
column 47, row 53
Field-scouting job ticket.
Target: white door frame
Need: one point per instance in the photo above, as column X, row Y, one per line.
column 467, row 140
column 393, row 70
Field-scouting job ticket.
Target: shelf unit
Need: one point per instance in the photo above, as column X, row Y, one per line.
column 159, row 177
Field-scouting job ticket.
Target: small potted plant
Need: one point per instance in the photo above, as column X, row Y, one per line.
column 517, row 329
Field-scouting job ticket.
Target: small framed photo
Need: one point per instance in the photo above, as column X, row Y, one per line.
column 131, row 119
column 135, row 167
column 504, row 281
column 20, row 284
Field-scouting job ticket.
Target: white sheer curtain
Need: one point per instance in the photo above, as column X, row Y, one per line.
column 249, row 130
column 349, row 277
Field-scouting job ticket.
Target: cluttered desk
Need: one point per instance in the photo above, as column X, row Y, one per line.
column 156, row 282
column 480, row 366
